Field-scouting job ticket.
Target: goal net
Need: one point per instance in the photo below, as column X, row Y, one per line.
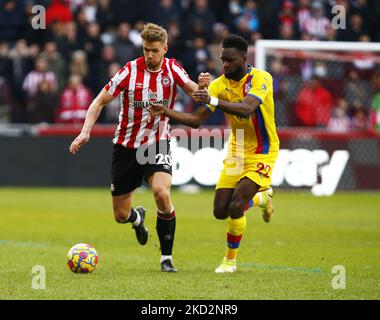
column 331, row 85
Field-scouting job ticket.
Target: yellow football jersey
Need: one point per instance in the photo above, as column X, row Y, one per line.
column 259, row 129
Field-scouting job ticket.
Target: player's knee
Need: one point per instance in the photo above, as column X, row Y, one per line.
column 119, row 214
column 236, row 208
column 220, row 213
column 162, row 197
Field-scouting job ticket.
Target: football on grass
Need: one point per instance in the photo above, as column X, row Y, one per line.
column 82, row 258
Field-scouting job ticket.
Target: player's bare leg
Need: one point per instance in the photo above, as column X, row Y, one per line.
column 160, row 183
column 222, row 199
column 124, row 213
column 244, row 191
column 122, row 207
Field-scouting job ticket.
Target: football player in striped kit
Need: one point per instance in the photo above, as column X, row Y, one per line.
column 141, row 143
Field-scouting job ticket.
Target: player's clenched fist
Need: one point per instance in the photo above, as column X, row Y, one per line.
column 78, row 142
column 201, row 96
column 204, row 79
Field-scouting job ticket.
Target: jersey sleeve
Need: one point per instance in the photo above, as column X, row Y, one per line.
column 179, row 74
column 118, row 82
column 213, row 92
column 261, row 85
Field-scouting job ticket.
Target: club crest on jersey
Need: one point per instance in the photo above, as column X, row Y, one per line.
column 152, row 95
column 248, row 85
column 165, row 81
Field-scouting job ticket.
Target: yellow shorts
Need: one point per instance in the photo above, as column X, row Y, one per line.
column 258, row 169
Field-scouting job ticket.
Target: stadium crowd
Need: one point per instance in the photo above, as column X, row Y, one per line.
column 51, row 75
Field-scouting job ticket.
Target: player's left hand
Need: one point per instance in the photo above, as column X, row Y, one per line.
column 201, row 96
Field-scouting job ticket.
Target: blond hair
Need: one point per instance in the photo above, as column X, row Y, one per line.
column 152, row 32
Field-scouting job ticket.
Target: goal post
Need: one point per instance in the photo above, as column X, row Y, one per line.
column 325, row 84
column 262, row 47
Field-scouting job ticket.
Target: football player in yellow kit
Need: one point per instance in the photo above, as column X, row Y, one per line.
column 245, row 94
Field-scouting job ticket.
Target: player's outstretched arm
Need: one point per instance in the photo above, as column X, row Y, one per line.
column 194, row 120
column 92, row 115
column 244, row 109
column 204, row 79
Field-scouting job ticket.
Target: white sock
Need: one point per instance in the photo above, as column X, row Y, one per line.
column 163, row 258
column 163, row 212
column 138, row 219
column 260, row 194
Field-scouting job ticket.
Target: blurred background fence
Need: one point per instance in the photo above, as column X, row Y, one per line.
column 309, row 158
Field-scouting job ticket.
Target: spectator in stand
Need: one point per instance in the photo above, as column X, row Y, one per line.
column 112, row 111
column 78, row 64
column 248, row 21
column 318, row 24
column 167, row 11
column 81, row 25
column 58, row 10
column 286, row 15
column 5, row 99
column 176, row 46
column 200, row 21
column 340, row 121
column 303, row 14
column 74, row 101
column 104, row 15
column 279, row 74
column 94, row 46
column 198, row 57
column 122, row 15
column 134, row 34
column 287, row 32
column 360, row 119
column 287, row 21
column 55, row 62
column 12, row 20
column 75, row 5
column 18, row 66
column 368, row 16
column 221, row 31
column 108, row 59
column 354, row 31
column 267, row 12
column 314, row 104
column 70, row 41
column 90, row 8
column 357, row 89
column 124, row 47
column 37, row 75
column 41, row 108
column 232, row 12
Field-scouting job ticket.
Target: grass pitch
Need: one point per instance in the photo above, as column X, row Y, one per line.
column 290, row 258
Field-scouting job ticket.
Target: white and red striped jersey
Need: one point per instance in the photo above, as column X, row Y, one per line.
column 138, row 87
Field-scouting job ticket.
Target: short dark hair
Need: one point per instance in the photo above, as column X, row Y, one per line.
column 235, row 41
